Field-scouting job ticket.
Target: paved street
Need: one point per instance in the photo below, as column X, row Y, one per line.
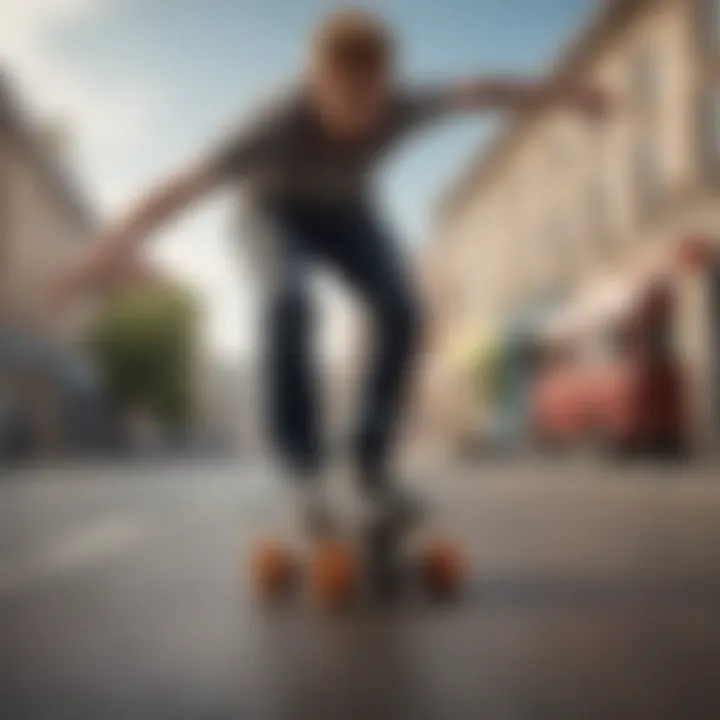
column 596, row 594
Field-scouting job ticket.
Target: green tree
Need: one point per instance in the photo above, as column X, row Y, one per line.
column 489, row 369
column 144, row 344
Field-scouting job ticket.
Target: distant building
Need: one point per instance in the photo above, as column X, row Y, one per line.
column 43, row 217
column 43, row 222
column 556, row 203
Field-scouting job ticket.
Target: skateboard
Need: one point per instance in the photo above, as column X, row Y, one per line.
column 376, row 560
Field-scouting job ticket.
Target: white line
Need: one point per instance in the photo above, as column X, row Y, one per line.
column 77, row 550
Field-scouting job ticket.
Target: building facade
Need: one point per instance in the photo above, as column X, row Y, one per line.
column 43, row 223
column 557, row 203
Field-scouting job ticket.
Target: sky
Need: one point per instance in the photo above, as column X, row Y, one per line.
column 142, row 86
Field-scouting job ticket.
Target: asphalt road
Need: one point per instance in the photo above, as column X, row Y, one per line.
column 595, row 594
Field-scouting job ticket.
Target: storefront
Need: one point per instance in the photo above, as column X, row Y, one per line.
column 50, row 402
column 633, row 360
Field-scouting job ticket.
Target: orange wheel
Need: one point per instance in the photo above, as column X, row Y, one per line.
column 444, row 568
column 274, row 570
column 335, row 574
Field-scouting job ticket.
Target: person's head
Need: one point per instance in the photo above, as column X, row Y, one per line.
column 351, row 69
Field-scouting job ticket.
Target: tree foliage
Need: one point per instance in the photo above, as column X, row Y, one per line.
column 144, row 344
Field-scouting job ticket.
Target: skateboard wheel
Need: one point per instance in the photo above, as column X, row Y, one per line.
column 443, row 567
column 335, row 574
column 274, row 570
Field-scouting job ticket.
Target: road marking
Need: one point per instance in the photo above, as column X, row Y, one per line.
column 77, row 550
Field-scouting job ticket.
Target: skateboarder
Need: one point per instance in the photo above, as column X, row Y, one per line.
column 306, row 163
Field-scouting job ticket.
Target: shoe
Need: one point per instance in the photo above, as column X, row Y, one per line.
column 315, row 517
column 392, row 509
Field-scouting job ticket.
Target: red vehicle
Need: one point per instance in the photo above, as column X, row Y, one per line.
column 608, row 374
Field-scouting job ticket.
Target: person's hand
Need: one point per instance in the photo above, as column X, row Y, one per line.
column 591, row 100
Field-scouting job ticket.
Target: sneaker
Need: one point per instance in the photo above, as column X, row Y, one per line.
column 393, row 509
column 314, row 510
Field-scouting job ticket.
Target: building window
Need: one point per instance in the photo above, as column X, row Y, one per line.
column 710, row 132
column 558, row 257
column 559, row 148
column 647, row 177
column 708, row 19
column 646, row 81
column 599, row 225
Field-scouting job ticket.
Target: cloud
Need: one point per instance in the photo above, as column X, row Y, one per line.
column 98, row 114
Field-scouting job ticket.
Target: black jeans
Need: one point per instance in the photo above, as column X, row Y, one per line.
column 351, row 242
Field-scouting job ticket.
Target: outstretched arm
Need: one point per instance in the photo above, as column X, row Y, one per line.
column 114, row 246
column 125, row 237
column 497, row 93
column 163, row 202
